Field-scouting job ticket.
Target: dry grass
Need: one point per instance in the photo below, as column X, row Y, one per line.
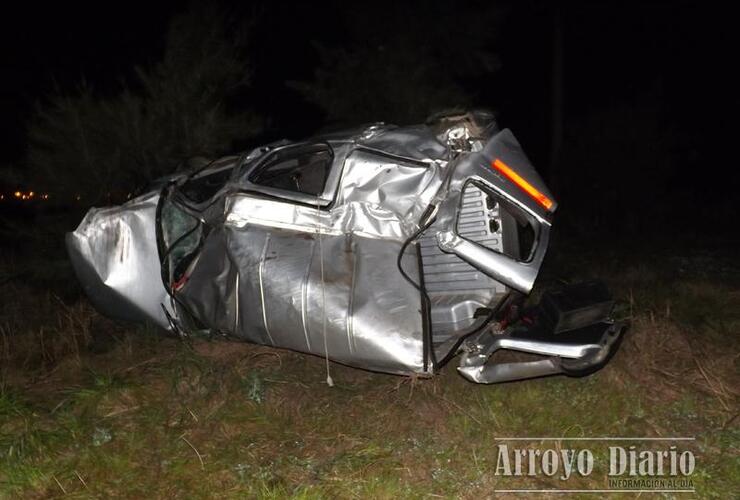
column 664, row 356
column 92, row 408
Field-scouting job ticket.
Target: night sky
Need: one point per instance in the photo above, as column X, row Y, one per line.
column 674, row 57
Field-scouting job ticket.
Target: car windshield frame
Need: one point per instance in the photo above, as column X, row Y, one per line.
column 246, row 177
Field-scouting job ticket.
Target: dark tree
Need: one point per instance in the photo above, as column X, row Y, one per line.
column 403, row 61
column 88, row 145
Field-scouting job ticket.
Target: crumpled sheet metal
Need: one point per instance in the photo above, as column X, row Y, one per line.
column 258, row 273
column 114, row 253
column 416, row 142
column 476, row 166
column 376, row 199
column 265, row 286
column 262, row 281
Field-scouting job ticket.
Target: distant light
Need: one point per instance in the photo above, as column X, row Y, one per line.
column 17, row 194
column 30, row 194
column 525, row 186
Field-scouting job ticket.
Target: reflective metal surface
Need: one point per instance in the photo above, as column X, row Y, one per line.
column 400, row 254
column 564, row 356
column 114, row 253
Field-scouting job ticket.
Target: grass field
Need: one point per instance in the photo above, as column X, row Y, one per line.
column 94, row 409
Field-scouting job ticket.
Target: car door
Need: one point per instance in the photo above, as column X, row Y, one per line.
column 255, row 273
column 277, row 226
column 291, row 267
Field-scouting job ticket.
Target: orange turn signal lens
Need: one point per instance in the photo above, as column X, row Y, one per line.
column 520, row 181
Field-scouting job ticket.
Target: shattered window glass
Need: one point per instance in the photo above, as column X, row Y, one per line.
column 302, row 169
column 181, row 233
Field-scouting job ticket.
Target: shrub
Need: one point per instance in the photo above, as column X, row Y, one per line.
column 102, row 147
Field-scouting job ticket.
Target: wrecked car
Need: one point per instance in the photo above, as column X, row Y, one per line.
column 386, row 248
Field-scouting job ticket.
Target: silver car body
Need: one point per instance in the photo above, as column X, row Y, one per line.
column 413, row 239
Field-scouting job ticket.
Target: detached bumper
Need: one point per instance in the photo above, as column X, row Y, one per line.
column 589, row 343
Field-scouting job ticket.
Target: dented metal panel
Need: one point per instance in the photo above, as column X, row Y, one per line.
column 407, row 245
column 114, row 253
